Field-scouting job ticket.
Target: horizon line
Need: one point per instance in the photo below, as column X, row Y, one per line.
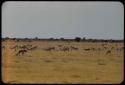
column 83, row 38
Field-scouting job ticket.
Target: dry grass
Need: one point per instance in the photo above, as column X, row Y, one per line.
column 76, row 66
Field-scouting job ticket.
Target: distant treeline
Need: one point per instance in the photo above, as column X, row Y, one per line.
column 77, row 39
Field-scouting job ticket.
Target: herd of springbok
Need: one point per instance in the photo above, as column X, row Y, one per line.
column 22, row 49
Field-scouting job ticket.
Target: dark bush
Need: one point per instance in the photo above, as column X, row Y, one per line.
column 84, row 38
column 51, row 38
column 77, row 39
column 36, row 38
column 62, row 39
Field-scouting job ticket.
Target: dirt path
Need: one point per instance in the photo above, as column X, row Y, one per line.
column 7, row 61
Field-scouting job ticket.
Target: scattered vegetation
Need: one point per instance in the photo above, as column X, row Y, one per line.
column 62, row 61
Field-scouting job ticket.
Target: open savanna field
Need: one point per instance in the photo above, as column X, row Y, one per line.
column 62, row 62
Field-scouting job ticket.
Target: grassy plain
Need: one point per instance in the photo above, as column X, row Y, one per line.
column 73, row 66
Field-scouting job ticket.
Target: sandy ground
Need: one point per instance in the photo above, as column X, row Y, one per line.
column 74, row 66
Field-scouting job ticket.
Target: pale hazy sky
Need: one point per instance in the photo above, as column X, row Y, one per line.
column 100, row 20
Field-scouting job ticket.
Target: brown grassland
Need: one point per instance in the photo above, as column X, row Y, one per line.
column 103, row 62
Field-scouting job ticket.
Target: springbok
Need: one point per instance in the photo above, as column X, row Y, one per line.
column 15, row 47
column 49, row 49
column 21, row 52
column 87, row 49
column 73, row 48
column 65, row 49
column 23, row 47
column 33, row 48
column 108, row 52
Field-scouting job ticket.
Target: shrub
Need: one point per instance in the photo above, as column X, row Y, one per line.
column 77, row 39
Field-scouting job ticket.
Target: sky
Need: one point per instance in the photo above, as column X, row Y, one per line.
column 47, row 19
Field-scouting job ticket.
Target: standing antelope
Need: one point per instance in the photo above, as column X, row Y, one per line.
column 49, row 49
column 73, row 48
column 21, row 52
column 108, row 52
column 33, row 48
column 65, row 49
column 15, row 47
